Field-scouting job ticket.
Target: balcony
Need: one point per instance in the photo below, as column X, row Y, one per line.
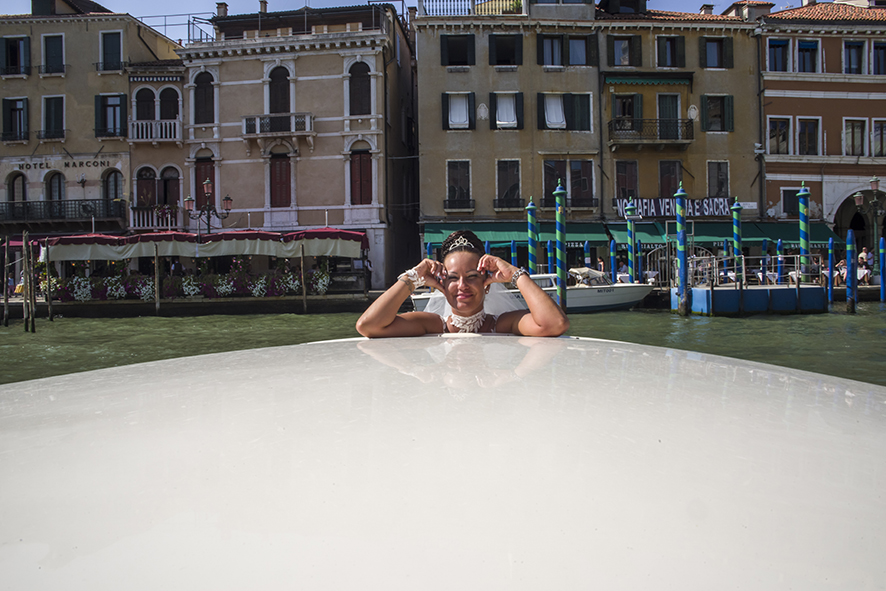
column 51, row 135
column 112, row 67
column 15, row 70
column 457, row 205
column 80, row 210
column 261, row 128
column 110, row 132
column 156, row 218
column 661, row 133
column 154, row 132
column 470, row 7
column 15, row 137
column 50, row 69
column 508, row 203
column 576, row 203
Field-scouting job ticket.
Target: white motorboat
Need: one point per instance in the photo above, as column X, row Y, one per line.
column 592, row 292
column 440, row 463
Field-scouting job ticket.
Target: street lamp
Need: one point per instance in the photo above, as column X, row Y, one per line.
column 208, row 209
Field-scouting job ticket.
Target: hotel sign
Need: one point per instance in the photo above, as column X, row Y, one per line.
column 709, row 207
column 77, row 163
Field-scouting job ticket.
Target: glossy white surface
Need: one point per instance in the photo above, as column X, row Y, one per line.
column 443, row 463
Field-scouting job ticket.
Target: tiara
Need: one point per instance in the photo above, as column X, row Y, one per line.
column 460, row 242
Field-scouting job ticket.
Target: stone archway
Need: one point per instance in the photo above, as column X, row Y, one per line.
column 848, row 217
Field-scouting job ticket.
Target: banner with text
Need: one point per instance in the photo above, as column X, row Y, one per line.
column 709, row 207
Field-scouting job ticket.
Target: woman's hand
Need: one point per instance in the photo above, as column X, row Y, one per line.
column 432, row 272
column 497, row 270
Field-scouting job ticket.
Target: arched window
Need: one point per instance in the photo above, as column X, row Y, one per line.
column 278, row 98
column 145, row 187
column 204, row 104
column 16, row 190
column 360, row 89
column 144, row 105
column 204, row 168
column 55, row 187
column 169, row 186
column 168, row 104
column 112, row 188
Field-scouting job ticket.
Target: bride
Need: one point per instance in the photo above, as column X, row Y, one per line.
column 463, row 278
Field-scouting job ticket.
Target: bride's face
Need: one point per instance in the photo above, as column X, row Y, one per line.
column 463, row 283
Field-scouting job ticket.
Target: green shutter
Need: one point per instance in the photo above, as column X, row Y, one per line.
column 540, row 49
column 444, row 50
column 493, row 111
column 704, row 112
column 26, row 55
column 593, row 53
column 445, row 103
column 26, row 118
column 681, row 52
column 727, row 52
column 702, row 52
column 638, row 112
column 471, row 51
column 636, row 50
column 124, row 122
column 728, row 116
column 472, row 112
column 2, row 53
column 610, row 49
column 518, row 105
column 519, row 49
column 661, row 48
column 7, row 116
column 492, row 52
column 540, row 108
column 569, row 111
column 99, row 125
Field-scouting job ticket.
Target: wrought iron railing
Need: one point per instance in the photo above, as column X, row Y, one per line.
column 110, row 132
column 507, row 203
column 651, row 129
column 469, row 7
column 278, row 123
column 56, row 210
column 15, row 136
column 51, row 134
column 110, row 66
column 458, row 204
column 16, row 70
column 52, row 68
column 159, row 130
column 551, row 202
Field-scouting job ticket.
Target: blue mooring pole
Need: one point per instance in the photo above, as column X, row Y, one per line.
column 487, row 247
column 683, row 291
column 831, row 271
column 630, row 211
column 552, row 258
column 779, row 255
column 532, row 235
column 612, row 262
column 725, row 259
column 430, row 249
column 587, row 249
column 560, row 229
column 736, row 237
column 882, row 269
column 514, row 252
column 639, row 262
column 851, row 273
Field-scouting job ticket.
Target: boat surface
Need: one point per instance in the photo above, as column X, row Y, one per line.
column 440, row 463
column 579, row 298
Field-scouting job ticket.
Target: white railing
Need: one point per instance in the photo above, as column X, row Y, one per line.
column 162, row 130
column 278, row 123
column 149, row 218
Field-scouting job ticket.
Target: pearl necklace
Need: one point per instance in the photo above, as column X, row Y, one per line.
column 468, row 323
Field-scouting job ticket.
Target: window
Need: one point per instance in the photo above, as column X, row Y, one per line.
column 715, row 52
column 879, row 147
column 554, row 174
column 458, row 181
column 564, row 111
column 508, row 180
column 624, row 51
column 505, row 50
column 15, row 56
column 550, row 50
column 168, row 104
column 807, row 137
column 671, row 52
column 278, row 99
column 457, row 50
column 144, row 105
column 779, row 135
column 204, row 100
column 112, row 52
column 146, row 187
column 627, row 112
column 359, row 90
column 582, row 50
column 790, row 204
column 807, row 56
column 361, row 178
column 204, row 168
column 15, row 120
column 53, row 117
column 853, row 137
column 280, row 186
column 507, row 110
column 16, row 189
column 112, row 187
column 626, row 179
column 459, row 111
column 670, row 173
column 53, row 54
column 717, row 113
column 55, row 187
column 168, row 187
column 577, row 177
column 880, row 59
column 778, row 55
column 718, row 179
column 853, row 57
column 110, row 115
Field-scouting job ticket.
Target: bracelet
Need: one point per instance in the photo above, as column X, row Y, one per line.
column 406, row 280
column 517, row 274
column 412, row 277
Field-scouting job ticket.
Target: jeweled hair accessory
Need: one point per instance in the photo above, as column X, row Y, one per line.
column 459, row 242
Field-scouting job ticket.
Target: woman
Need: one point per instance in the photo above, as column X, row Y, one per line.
column 600, row 265
column 464, row 277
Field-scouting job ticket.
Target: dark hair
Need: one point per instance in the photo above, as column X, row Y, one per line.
column 462, row 240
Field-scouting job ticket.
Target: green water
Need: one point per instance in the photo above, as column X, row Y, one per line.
column 836, row 344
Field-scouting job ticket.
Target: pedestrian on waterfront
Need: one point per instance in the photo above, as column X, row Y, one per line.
column 464, row 278
column 868, row 257
column 600, row 265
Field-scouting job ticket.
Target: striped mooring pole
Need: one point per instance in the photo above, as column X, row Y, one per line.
column 587, row 251
column 532, row 236
column 560, row 196
column 630, row 212
column 851, row 273
column 803, row 197
column 779, row 256
column 514, row 252
column 552, row 258
column 736, row 238
column 430, row 250
column 639, row 261
column 487, row 247
column 683, row 302
column 830, row 270
column 680, row 196
column 725, row 258
column 613, row 271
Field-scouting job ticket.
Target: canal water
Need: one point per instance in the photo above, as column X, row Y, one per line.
column 848, row 346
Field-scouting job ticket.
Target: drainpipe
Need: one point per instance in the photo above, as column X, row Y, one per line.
column 761, row 158
column 600, row 87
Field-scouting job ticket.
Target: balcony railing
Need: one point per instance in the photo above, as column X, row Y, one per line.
column 51, row 134
column 51, row 69
column 510, row 203
column 110, row 66
column 458, row 204
column 656, row 131
column 165, row 130
column 154, row 218
column 470, row 7
column 16, row 70
column 110, row 132
column 278, row 124
column 587, row 202
column 15, row 136
column 62, row 210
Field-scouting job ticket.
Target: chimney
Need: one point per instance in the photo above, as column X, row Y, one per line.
column 706, row 9
column 221, row 9
column 262, row 5
column 807, row 2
